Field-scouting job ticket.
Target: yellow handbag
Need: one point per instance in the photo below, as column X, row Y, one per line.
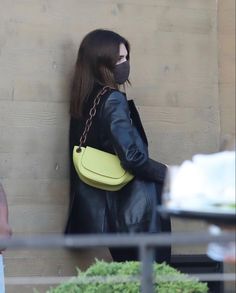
column 100, row 169
column 95, row 167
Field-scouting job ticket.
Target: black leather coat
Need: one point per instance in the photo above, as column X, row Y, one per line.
column 116, row 128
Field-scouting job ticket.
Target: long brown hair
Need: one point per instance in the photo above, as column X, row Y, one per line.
column 97, row 56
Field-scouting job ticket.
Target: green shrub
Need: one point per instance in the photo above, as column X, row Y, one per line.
column 100, row 278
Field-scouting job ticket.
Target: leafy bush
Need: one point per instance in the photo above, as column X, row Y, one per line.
column 113, row 277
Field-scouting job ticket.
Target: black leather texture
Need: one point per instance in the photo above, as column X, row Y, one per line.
column 116, row 128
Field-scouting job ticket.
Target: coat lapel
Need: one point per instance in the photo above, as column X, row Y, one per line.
column 134, row 115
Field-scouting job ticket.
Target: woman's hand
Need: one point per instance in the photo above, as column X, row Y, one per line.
column 5, row 229
column 5, row 232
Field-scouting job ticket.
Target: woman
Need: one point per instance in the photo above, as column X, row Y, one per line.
column 5, row 231
column 103, row 60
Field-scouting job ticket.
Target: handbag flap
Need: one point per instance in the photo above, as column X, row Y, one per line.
column 102, row 163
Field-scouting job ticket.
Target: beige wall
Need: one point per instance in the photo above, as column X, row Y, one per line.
column 226, row 59
column 175, row 85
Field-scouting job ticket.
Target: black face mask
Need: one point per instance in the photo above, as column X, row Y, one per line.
column 121, row 72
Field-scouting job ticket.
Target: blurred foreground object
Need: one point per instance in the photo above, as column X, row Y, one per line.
column 2, row 285
column 204, row 188
column 207, row 183
column 221, row 252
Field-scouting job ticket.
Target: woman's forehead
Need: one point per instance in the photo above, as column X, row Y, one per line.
column 123, row 50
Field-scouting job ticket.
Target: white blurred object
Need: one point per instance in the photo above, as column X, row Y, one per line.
column 221, row 251
column 206, row 181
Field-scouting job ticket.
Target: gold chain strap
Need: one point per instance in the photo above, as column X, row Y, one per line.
column 89, row 121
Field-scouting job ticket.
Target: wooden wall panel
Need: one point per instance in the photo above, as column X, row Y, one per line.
column 226, row 45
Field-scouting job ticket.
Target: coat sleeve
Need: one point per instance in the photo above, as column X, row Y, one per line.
column 130, row 149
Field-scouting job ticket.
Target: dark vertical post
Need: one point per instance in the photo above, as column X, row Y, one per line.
column 146, row 259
